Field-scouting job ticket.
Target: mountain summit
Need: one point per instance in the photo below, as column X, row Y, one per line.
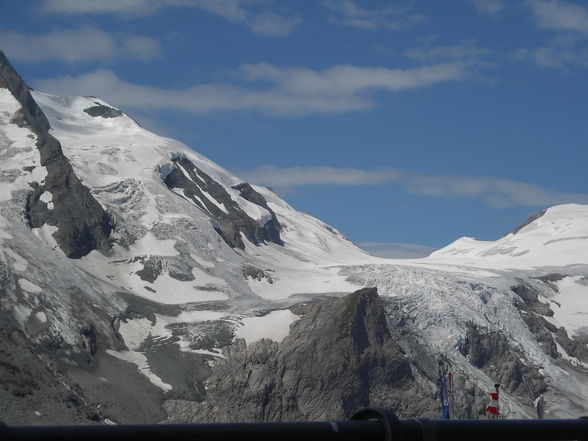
column 140, row 280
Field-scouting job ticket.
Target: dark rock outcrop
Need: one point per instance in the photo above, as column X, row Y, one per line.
column 100, row 110
column 82, row 224
column 492, row 353
column 529, row 220
column 533, row 312
column 231, row 221
column 339, row 357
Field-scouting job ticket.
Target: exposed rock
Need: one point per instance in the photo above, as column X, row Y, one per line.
column 529, row 220
column 229, row 220
column 531, row 298
column 575, row 346
column 29, row 378
column 550, row 279
column 152, row 268
column 89, row 341
column 256, row 273
column 339, row 357
column 543, row 331
column 103, row 111
column 82, row 224
column 492, row 353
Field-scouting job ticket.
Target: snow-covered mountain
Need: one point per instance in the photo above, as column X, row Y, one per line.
column 140, row 281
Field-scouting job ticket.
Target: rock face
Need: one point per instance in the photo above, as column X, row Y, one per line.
column 230, row 219
column 82, row 224
column 533, row 312
column 100, row 110
column 339, row 357
column 491, row 352
column 529, row 220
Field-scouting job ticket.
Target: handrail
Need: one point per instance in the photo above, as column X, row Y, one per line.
column 372, row 425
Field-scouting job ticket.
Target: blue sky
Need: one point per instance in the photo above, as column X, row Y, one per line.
column 411, row 122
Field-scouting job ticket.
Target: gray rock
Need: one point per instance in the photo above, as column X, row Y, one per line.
column 82, row 224
column 230, row 223
column 100, row 110
column 492, row 353
column 338, row 358
column 529, row 220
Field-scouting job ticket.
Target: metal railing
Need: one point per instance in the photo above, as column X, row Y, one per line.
column 366, row 425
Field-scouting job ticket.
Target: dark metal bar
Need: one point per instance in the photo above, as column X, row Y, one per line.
column 366, row 430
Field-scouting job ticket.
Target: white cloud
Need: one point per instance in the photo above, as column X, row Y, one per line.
column 499, row 193
column 559, row 52
column 488, row 7
column 568, row 48
column 495, row 192
column 121, row 7
column 559, row 15
column 269, row 89
column 348, row 13
column 465, row 50
column 255, row 14
column 81, row 45
column 271, row 176
column 396, row 250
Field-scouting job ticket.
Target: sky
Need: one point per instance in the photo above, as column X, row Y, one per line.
column 404, row 124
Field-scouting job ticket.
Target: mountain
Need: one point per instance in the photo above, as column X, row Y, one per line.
column 141, row 282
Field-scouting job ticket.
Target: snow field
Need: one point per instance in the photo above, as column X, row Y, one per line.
column 274, row 326
column 570, row 306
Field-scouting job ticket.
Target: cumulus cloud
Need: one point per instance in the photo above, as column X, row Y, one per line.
column 559, row 15
column 349, row 13
column 488, row 7
column 80, row 45
column 263, row 87
column 255, row 14
column 495, row 192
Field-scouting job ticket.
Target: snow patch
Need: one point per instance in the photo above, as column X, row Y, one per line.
column 29, row 287
column 274, row 326
column 45, row 233
column 20, row 264
column 41, row 316
column 570, row 307
column 134, row 332
column 46, row 197
column 149, row 245
column 200, row 261
column 140, row 360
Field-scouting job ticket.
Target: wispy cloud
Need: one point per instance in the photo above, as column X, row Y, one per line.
column 80, row 45
column 495, row 192
column 349, row 13
column 560, row 52
column 264, row 88
column 126, row 8
column 271, row 176
column 258, row 15
column 568, row 48
column 559, row 15
column 464, row 50
column 488, row 7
